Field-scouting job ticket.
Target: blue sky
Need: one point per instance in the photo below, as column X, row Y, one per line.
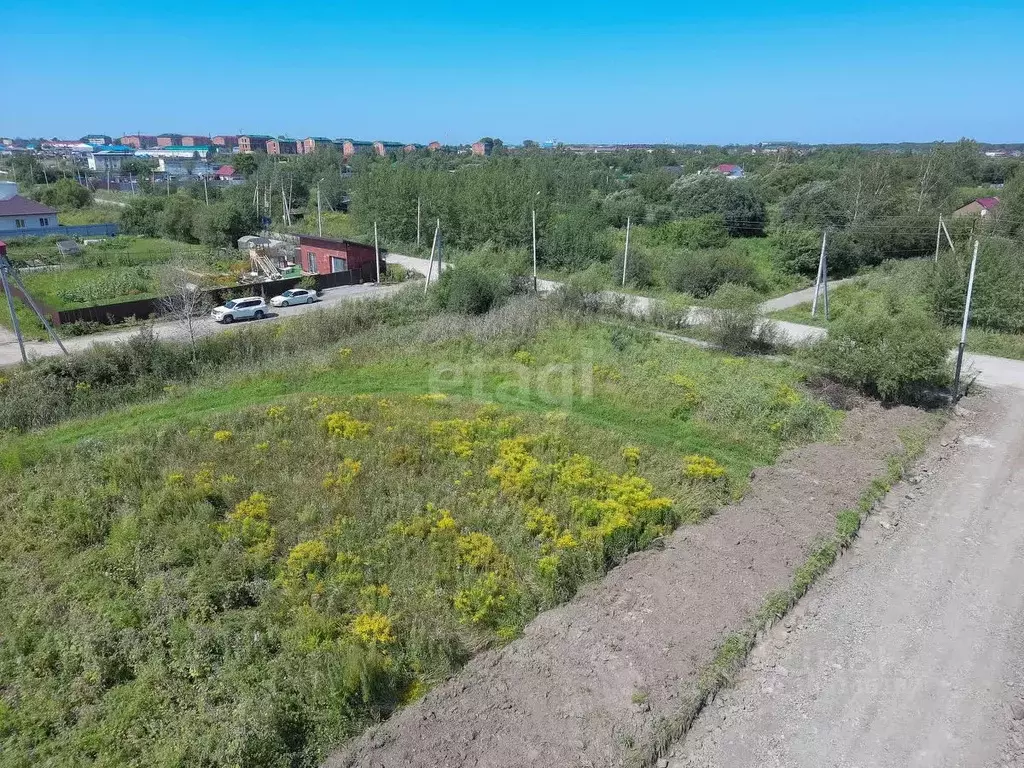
column 570, row 71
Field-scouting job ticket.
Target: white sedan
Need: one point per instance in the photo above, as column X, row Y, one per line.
column 292, row 297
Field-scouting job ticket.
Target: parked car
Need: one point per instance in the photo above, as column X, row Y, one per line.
column 292, row 297
column 249, row 308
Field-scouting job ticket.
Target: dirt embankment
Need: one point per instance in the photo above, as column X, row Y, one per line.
column 590, row 681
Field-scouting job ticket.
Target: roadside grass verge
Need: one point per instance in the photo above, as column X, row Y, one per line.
column 731, row 656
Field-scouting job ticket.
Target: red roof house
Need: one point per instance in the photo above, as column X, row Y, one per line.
column 983, row 206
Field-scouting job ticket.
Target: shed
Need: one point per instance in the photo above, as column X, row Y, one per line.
column 322, row 255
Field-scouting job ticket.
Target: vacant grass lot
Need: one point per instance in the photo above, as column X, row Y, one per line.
column 247, row 569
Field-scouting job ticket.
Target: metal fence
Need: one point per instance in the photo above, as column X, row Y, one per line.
column 65, row 230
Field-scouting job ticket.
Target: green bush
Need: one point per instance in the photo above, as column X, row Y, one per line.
column 701, row 274
column 470, row 289
column 639, row 269
column 736, row 323
column 998, row 301
column 707, row 231
column 574, row 241
column 897, row 356
column 64, row 193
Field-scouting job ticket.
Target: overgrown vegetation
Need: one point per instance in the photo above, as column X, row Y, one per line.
column 245, row 569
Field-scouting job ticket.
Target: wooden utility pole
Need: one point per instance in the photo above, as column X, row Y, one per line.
column 938, row 238
column 949, row 239
column 822, row 277
column 535, row 250
column 376, row 250
column 320, row 218
column 963, row 329
column 625, row 254
column 430, row 264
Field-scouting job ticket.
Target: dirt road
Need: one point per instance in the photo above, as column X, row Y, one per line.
column 11, row 355
column 909, row 653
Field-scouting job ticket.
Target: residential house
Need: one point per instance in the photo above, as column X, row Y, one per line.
column 225, row 142
column 138, row 140
column 109, row 160
column 282, row 147
column 169, row 140
column 983, row 206
column 729, row 171
column 228, row 173
column 322, row 255
column 253, row 143
column 195, row 141
column 434, row 146
column 381, row 148
column 311, row 144
column 482, row 148
column 97, row 138
column 19, row 215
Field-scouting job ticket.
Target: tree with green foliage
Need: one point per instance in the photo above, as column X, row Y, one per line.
column 222, row 223
column 64, row 194
column 708, row 231
column 574, row 240
column 141, row 216
column 177, row 217
column 736, row 201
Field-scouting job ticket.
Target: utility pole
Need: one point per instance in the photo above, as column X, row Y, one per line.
column 821, row 274
column 430, row 264
column 376, row 249
column 938, row 239
column 534, row 250
column 320, row 218
column 417, row 223
column 948, row 238
column 7, row 274
column 625, row 254
column 206, row 192
column 963, row 329
column 167, row 178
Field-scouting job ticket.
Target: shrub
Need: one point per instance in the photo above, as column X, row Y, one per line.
column 736, row 324
column 470, row 289
column 639, row 270
column 574, row 241
column 708, row 231
column 701, row 274
column 895, row 356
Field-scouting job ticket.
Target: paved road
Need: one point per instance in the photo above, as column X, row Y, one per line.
column 909, row 654
column 10, row 355
column 797, row 298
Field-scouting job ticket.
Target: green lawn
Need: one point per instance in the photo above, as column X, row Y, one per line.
column 251, row 567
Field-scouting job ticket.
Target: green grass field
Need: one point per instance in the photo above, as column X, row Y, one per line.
column 249, row 566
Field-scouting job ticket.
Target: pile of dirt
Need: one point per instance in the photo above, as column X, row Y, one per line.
column 590, row 681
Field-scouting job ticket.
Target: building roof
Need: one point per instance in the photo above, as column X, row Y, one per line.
column 988, row 202
column 320, row 138
column 22, row 206
column 227, row 170
column 728, row 168
column 254, row 136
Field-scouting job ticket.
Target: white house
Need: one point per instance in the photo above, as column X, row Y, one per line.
column 18, row 214
column 104, row 161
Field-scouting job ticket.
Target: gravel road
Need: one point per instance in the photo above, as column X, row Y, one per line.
column 908, row 653
column 10, row 354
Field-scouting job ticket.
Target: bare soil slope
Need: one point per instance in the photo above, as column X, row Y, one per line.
column 908, row 655
column 590, row 681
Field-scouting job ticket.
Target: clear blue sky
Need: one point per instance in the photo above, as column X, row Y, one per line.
column 705, row 72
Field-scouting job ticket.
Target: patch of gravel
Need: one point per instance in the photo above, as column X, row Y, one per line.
column 591, row 680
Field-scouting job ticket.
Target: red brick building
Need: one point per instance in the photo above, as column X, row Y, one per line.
column 138, row 140
column 194, row 140
column 282, row 147
column 323, row 255
column 169, row 140
column 434, row 146
column 482, row 148
column 253, row 143
column 313, row 143
column 227, row 142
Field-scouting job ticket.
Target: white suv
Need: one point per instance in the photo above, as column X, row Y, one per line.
column 250, row 308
